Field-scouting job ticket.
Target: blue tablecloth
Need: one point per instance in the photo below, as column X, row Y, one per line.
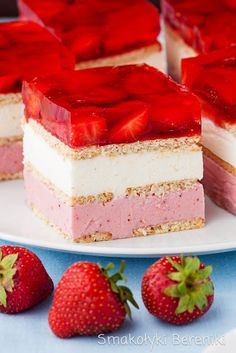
column 29, row 331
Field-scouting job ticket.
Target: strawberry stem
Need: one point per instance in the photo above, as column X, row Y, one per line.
column 123, row 292
column 193, row 284
column 7, row 273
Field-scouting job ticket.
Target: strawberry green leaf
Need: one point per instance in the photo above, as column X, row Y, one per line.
column 207, row 288
column 8, row 261
column 192, row 264
column 191, row 306
column 204, row 273
column 127, row 295
column 123, row 292
column 122, row 266
column 183, row 304
column 176, row 276
column 193, row 284
column 7, row 273
column 114, row 287
column 182, row 289
column 109, row 266
column 128, row 311
column 3, row 296
column 200, row 301
column 172, row 291
column 177, row 266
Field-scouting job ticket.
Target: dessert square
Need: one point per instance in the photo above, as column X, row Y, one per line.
column 102, row 32
column 26, row 50
column 195, row 27
column 113, row 153
column 213, row 78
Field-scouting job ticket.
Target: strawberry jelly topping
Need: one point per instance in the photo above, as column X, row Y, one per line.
column 28, row 50
column 212, row 77
column 96, row 28
column 111, row 105
column 205, row 25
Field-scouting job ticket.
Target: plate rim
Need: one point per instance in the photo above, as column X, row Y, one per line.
column 88, row 249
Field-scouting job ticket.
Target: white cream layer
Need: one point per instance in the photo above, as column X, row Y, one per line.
column 219, row 141
column 10, row 119
column 105, row 174
column 176, row 50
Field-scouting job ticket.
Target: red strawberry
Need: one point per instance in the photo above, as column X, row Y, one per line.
column 177, row 289
column 132, row 126
column 117, row 112
column 24, row 281
column 88, row 301
column 104, row 95
column 89, row 128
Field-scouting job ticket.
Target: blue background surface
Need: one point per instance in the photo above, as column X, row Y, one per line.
column 29, row 331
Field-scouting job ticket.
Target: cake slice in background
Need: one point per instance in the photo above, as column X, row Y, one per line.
column 113, row 153
column 102, row 32
column 26, row 50
column 213, row 78
column 194, row 27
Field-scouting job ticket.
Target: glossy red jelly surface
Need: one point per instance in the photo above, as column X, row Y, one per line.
column 112, row 105
column 28, row 50
column 96, row 28
column 212, row 77
column 205, row 25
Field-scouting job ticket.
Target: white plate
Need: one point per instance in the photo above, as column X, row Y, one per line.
column 18, row 224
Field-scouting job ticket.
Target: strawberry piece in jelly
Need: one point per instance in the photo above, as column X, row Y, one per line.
column 206, row 25
column 212, row 77
column 28, row 50
column 107, row 106
column 96, row 28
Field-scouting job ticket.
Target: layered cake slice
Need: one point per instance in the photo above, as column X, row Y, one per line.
column 26, row 50
column 102, row 32
column 194, row 27
column 213, row 78
column 113, row 153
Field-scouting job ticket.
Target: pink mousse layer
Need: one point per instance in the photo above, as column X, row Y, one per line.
column 220, row 185
column 11, row 157
column 118, row 217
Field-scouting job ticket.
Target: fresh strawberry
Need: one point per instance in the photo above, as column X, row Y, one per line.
column 88, row 129
column 24, row 281
column 131, row 127
column 88, row 301
column 178, row 289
